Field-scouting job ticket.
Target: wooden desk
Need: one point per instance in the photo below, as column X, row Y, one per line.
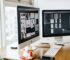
column 63, row 54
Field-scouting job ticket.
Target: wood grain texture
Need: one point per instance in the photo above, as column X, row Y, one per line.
column 63, row 54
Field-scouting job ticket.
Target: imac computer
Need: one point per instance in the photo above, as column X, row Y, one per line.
column 56, row 23
column 28, row 24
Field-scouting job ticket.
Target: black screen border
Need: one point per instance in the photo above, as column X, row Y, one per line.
column 19, row 25
column 53, row 35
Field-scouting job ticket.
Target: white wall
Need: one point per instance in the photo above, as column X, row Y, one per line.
column 11, row 28
column 52, row 4
column 0, row 25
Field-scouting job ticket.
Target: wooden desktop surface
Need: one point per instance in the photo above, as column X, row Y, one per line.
column 63, row 54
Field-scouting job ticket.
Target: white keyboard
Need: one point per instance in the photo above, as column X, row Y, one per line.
column 52, row 51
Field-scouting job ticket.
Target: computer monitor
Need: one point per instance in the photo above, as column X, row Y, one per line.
column 56, row 23
column 28, row 23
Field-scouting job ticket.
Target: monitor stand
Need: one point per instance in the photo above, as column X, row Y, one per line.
column 59, row 40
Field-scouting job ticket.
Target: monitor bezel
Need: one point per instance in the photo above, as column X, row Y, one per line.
column 52, row 35
column 19, row 28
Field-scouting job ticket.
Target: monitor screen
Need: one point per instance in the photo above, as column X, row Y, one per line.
column 56, row 22
column 28, row 23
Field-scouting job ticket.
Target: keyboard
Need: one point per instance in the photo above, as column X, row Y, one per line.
column 52, row 51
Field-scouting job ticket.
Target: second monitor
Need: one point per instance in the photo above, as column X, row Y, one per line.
column 56, row 22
